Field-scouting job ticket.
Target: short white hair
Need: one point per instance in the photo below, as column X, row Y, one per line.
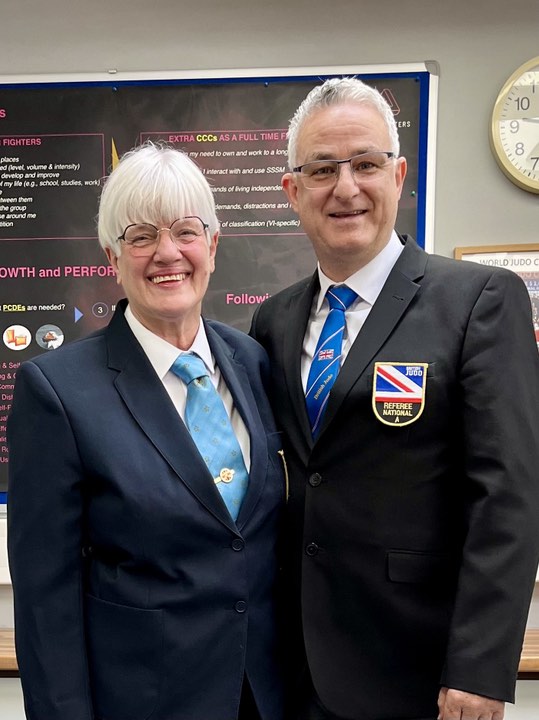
column 340, row 91
column 154, row 184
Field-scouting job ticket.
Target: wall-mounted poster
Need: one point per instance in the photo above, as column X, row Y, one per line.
column 523, row 259
column 60, row 136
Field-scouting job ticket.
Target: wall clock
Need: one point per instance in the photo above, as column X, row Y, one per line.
column 514, row 128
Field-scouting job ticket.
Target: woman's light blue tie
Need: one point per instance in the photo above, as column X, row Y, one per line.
column 212, row 432
column 327, row 356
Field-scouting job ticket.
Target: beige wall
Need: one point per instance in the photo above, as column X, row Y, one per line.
column 477, row 44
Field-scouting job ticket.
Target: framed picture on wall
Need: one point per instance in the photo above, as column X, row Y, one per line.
column 523, row 259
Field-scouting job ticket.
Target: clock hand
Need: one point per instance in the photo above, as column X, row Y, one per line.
column 532, row 120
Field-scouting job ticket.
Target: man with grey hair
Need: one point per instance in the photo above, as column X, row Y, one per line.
column 407, row 386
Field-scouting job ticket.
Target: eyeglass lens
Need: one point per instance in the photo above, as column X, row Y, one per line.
column 145, row 236
column 365, row 167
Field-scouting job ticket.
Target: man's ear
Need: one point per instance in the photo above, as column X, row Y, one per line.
column 400, row 173
column 290, row 187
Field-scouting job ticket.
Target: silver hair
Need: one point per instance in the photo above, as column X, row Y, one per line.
column 155, row 184
column 340, row 91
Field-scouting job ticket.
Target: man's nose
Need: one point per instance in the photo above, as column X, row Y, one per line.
column 346, row 185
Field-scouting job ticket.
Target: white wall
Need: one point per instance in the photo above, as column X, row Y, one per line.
column 477, row 45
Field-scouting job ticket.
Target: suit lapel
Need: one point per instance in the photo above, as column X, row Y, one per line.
column 296, row 318
column 151, row 408
column 397, row 293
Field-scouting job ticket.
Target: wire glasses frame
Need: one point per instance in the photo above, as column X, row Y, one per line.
column 143, row 238
column 365, row 167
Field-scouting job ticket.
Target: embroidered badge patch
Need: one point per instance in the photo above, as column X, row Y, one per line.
column 326, row 354
column 398, row 392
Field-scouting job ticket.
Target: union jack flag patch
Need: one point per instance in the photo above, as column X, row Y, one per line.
column 398, row 392
column 326, row 354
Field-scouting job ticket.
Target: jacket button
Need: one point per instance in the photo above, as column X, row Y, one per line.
column 315, row 480
column 237, row 544
column 312, row 549
column 240, row 606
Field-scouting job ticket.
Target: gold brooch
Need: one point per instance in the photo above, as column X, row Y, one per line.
column 226, row 475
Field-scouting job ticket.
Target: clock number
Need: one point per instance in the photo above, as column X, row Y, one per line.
column 523, row 103
column 514, row 130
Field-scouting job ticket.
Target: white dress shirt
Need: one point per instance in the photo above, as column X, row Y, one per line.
column 162, row 354
column 367, row 282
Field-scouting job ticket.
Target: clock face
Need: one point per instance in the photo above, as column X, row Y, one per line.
column 514, row 131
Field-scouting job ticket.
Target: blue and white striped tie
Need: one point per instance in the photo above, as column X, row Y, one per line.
column 327, row 356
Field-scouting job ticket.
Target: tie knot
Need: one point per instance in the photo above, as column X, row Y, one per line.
column 189, row 367
column 340, row 298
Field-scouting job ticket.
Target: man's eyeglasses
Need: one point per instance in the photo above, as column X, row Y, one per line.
column 365, row 168
column 143, row 238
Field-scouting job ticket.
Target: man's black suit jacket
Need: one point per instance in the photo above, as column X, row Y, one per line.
column 412, row 550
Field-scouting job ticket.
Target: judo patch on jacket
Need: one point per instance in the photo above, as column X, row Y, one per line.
column 398, row 392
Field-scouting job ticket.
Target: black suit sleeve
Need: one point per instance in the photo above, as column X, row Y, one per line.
column 499, row 382
column 45, row 520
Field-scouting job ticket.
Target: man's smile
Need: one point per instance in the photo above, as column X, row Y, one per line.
column 347, row 213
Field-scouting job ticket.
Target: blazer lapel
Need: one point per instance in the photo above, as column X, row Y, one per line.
column 237, row 381
column 151, row 408
column 397, row 293
column 297, row 317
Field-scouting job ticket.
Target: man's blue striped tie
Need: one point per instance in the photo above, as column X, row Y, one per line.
column 327, row 356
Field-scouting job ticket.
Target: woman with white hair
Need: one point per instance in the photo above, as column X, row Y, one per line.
column 146, row 484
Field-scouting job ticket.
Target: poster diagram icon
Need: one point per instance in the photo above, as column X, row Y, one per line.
column 49, row 337
column 17, row 337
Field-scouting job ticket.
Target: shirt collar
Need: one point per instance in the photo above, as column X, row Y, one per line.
column 161, row 353
column 369, row 280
